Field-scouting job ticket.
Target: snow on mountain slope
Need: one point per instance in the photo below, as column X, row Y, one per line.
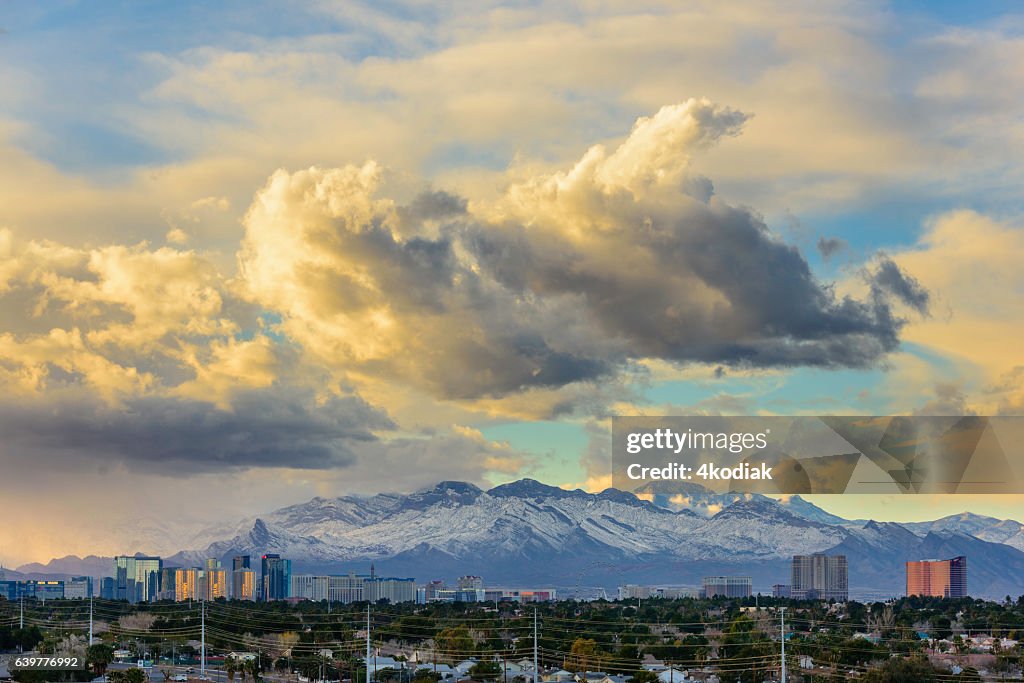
column 525, row 518
column 528, row 531
column 762, row 529
column 986, row 528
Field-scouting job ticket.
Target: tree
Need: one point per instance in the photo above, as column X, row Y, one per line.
column 902, row 670
column 645, row 676
column 585, row 655
column 231, row 667
column 309, row 667
column 452, row 644
column 252, row 666
column 746, row 652
column 969, row 675
column 133, row 675
column 485, row 671
column 98, row 656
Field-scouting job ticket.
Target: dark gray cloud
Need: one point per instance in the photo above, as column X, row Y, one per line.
column 433, row 205
column 264, row 428
column 720, row 289
column 830, row 246
column 887, row 278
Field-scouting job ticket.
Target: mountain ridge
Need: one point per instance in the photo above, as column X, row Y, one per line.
column 530, row 532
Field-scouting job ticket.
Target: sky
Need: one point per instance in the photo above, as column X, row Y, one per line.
column 255, row 252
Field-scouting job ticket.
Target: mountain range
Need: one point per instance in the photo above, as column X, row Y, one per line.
column 530, row 534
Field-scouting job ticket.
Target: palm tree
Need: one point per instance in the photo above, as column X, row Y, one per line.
column 230, row 667
column 99, row 656
column 253, row 665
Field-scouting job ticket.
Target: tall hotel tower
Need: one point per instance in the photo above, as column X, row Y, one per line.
column 938, row 578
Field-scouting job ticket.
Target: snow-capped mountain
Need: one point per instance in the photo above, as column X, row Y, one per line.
column 529, row 533
column 986, row 528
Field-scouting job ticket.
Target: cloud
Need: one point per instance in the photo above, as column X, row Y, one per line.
column 830, row 246
column 888, row 278
column 132, row 495
column 122, row 320
column 143, row 357
column 567, row 278
column 550, row 299
column 150, row 434
column 967, row 263
column 949, row 399
column 406, row 464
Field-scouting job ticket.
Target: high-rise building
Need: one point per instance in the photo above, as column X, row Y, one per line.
column 277, row 577
column 108, row 587
column 632, row 591
column 938, row 578
column 310, row 587
column 727, row 586
column 167, row 577
column 186, row 584
column 469, row 589
column 78, row 587
column 215, row 584
column 431, row 590
column 347, row 588
column 820, row 577
column 240, row 562
column 15, row 590
column 137, row 579
column 390, row 589
column 782, row 590
column 243, row 584
column 124, row 578
column 470, row 583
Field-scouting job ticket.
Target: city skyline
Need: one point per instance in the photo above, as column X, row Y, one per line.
column 529, row 533
column 247, row 259
column 116, row 545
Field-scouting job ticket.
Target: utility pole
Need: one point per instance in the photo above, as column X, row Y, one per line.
column 368, row 644
column 536, row 667
column 21, row 623
column 90, row 617
column 782, row 616
column 202, row 650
